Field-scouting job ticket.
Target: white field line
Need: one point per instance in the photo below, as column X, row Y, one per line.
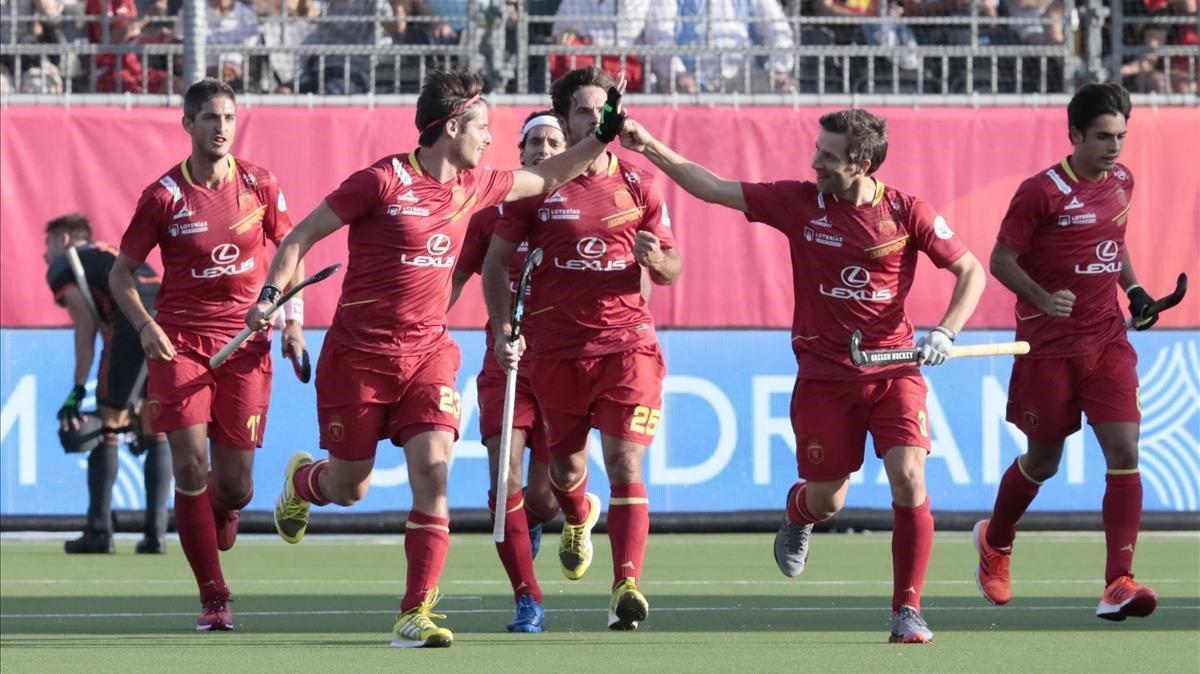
column 564, row 583
column 681, row 609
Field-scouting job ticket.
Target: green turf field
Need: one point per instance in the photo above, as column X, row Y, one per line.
column 717, row 604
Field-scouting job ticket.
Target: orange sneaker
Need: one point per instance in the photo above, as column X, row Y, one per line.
column 216, row 616
column 1126, row 597
column 991, row 575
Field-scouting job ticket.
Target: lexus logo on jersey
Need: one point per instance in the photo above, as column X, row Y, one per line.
column 225, row 253
column 855, row 277
column 438, row 244
column 591, row 247
column 1107, row 251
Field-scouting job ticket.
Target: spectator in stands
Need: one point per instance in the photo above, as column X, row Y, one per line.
column 732, row 28
column 1036, row 33
column 1147, row 72
column 447, row 31
column 118, row 73
column 954, row 34
column 642, row 22
column 39, row 75
column 887, row 34
column 283, row 23
column 390, row 13
column 229, row 23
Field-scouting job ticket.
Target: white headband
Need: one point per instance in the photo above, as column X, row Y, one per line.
column 540, row 120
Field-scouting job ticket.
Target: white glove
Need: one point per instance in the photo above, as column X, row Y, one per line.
column 935, row 346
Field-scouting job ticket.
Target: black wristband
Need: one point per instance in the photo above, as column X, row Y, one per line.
column 269, row 294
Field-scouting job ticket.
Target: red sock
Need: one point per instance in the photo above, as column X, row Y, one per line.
column 797, row 505
column 198, row 538
column 1122, row 519
column 535, row 518
column 912, row 544
column 628, row 529
column 307, row 482
column 220, row 506
column 515, row 554
column 573, row 501
column 426, row 542
column 1016, row 493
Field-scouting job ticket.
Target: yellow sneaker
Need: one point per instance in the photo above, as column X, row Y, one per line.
column 291, row 511
column 627, row 606
column 575, row 546
column 415, row 627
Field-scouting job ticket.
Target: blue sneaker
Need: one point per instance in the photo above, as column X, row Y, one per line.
column 530, row 618
column 535, row 539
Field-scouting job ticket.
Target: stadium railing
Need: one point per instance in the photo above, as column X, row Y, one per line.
column 508, row 45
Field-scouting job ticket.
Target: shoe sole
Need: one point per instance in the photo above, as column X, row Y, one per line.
column 218, row 627
column 1137, row 607
column 911, row 639
column 979, row 552
column 288, row 472
column 526, row 629
column 431, row 642
column 589, row 524
column 631, row 610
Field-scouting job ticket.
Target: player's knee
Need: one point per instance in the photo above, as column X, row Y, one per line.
column 1040, row 467
column 234, row 488
column 1123, row 456
column 348, row 493
column 191, row 472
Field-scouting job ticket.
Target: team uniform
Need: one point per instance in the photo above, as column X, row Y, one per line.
column 122, row 357
column 213, row 245
column 117, row 386
column 597, row 361
column 852, row 268
column 1069, row 234
column 388, row 366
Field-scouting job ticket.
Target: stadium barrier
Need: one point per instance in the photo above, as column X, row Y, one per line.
column 723, row 458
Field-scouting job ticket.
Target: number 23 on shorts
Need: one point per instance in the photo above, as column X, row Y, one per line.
column 449, row 401
column 645, row 420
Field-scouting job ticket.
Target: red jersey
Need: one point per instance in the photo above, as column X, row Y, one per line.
column 1070, row 235
column 213, row 244
column 852, row 267
column 586, row 230
column 406, row 230
column 475, row 247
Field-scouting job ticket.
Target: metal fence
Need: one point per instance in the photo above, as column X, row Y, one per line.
column 519, row 51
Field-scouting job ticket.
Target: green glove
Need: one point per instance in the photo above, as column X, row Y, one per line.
column 70, row 408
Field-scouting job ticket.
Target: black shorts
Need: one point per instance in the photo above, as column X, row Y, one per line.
column 121, row 363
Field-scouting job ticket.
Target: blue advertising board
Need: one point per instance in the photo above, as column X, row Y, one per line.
column 725, row 442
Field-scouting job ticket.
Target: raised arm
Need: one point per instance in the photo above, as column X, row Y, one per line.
column 692, row 177
column 1008, row 272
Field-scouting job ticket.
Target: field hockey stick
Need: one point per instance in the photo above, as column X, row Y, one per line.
column 242, row 336
column 301, row 365
column 911, row 355
column 81, row 280
column 510, row 398
column 1161, row 305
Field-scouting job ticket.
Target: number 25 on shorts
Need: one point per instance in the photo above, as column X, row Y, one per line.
column 449, row 401
column 645, row 420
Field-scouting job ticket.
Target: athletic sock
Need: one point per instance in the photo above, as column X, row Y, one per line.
column 101, row 476
column 912, row 544
column 628, row 529
column 198, row 538
column 797, row 505
column 307, row 482
column 1016, row 492
column 157, row 474
column 514, row 551
column 1122, row 514
column 426, row 542
column 222, row 507
column 573, row 500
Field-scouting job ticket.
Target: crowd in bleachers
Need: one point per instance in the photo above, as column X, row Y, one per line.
column 325, row 43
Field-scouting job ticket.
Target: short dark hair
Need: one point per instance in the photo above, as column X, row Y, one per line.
column 562, row 92
column 1096, row 100
column 442, row 97
column 533, row 115
column 866, row 135
column 74, row 225
column 202, row 92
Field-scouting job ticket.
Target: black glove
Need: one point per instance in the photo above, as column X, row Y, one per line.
column 611, row 121
column 1139, row 302
column 70, row 408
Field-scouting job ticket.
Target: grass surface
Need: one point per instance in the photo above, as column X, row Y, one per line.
column 717, row 604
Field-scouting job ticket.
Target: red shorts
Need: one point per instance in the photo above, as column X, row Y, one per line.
column 831, row 420
column 364, row 397
column 232, row 399
column 490, row 386
column 1046, row 395
column 618, row 393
